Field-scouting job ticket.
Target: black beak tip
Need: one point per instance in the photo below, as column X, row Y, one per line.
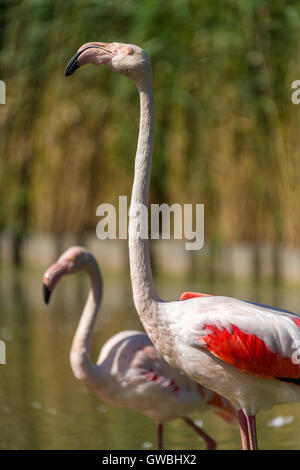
column 47, row 294
column 71, row 67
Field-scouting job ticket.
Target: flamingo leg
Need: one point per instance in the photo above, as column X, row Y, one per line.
column 243, row 422
column 159, row 436
column 252, row 432
column 209, row 441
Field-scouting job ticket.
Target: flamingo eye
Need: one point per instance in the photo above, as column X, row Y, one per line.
column 129, row 51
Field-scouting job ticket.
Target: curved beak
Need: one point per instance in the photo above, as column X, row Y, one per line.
column 97, row 53
column 53, row 275
column 72, row 65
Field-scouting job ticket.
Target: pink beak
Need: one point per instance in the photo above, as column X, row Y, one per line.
column 97, row 53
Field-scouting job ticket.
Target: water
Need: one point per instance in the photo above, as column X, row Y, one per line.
column 42, row 406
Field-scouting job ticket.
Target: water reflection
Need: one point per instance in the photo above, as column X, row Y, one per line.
column 42, row 406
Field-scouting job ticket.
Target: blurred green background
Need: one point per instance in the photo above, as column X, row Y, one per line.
column 226, row 131
column 226, row 135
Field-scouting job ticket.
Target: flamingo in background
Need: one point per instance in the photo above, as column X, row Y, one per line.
column 129, row 372
column 244, row 351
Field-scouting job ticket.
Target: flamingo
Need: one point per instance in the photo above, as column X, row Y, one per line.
column 129, row 372
column 247, row 352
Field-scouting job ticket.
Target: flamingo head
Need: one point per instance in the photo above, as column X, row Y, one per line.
column 127, row 59
column 72, row 260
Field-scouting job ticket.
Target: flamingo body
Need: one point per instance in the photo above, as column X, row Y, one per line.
column 130, row 372
column 136, row 377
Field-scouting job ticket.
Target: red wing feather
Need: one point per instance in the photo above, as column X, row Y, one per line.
column 191, row 295
column 248, row 353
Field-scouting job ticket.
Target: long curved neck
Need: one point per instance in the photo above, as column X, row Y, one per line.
column 81, row 364
column 145, row 298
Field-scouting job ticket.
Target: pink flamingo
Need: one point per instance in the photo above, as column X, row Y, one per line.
column 244, row 351
column 129, row 372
